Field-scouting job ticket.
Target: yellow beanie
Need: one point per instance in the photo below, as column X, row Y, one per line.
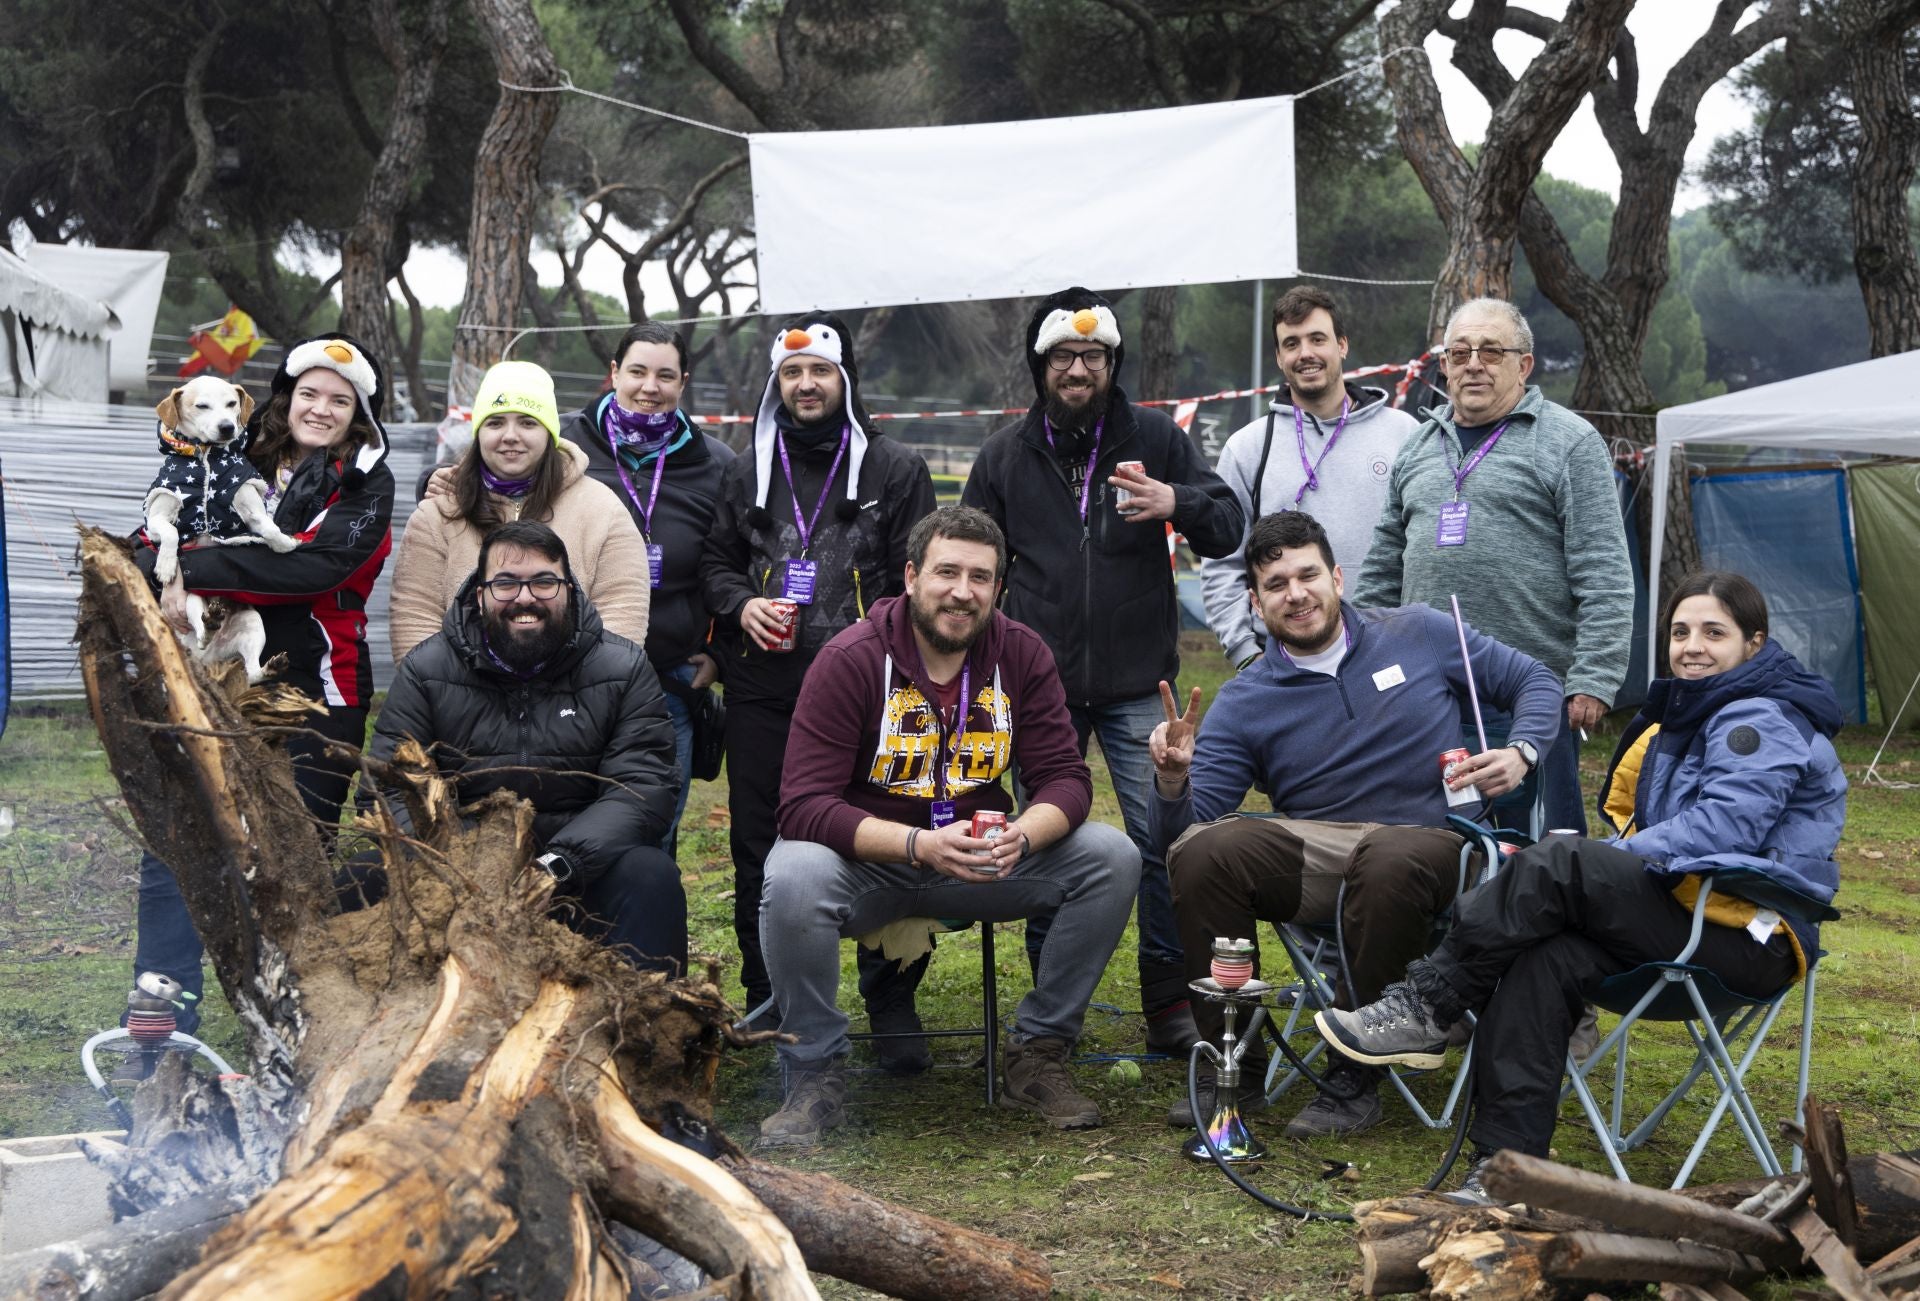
column 517, row 386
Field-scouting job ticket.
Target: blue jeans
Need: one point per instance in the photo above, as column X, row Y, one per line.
column 682, row 750
column 1123, row 727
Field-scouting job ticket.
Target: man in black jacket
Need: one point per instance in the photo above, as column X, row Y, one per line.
column 523, row 690
column 817, row 512
column 1089, row 573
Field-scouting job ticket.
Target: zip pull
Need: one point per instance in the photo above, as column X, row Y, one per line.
column 1086, row 534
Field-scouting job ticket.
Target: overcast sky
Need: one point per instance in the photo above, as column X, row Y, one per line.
column 1662, row 30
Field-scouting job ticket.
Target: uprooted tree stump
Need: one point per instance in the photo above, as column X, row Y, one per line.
column 449, row 1092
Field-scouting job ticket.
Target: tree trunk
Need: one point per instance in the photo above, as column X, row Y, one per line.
column 1883, row 257
column 506, row 186
column 1159, row 349
column 450, row 1092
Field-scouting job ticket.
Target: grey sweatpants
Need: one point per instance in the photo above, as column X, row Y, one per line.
column 814, row 898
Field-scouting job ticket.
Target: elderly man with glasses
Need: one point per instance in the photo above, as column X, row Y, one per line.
column 523, row 690
column 1507, row 500
column 1084, row 487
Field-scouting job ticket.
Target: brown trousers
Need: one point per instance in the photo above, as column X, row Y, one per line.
column 1227, row 875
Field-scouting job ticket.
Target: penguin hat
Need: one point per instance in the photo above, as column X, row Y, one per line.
column 1070, row 316
column 813, row 334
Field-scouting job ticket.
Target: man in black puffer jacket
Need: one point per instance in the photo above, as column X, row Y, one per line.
column 523, row 690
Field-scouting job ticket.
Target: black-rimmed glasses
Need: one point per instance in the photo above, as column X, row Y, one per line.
column 543, row 586
column 1063, row 358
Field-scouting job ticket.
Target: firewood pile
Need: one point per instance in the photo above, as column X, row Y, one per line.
column 1571, row 1234
column 447, row 1093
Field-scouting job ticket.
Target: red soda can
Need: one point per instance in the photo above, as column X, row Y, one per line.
column 988, row 825
column 1450, row 760
column 788, row 614
column 1120, row 495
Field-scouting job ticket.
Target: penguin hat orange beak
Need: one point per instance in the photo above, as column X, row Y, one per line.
column 816, row 340
column 1077, row 324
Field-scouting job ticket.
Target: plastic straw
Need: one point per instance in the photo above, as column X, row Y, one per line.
column 1473, row 692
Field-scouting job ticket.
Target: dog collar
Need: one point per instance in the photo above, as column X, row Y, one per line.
column 172, row 442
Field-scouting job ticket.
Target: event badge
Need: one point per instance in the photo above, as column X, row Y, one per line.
column 656, row 562
column 1390, row 676
column 943, row 813
column 1453, row 524
column 796, row 584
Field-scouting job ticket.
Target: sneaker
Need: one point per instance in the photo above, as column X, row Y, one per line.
column 1586, row 1035
column 1472, row 1192
column 1035, row 1079
column 908, row 1056
column 815, row 1103
column 1173, row 1031
column 1327, row 1115
column 1398, row 1027
column 1253, row 1096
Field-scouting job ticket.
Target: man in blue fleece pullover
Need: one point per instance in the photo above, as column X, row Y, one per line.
column 1342, row 723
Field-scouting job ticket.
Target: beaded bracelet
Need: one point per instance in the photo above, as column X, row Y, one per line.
column 913, row 859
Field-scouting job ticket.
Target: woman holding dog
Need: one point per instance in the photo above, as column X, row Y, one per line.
column 319, row 445
column 517, row 467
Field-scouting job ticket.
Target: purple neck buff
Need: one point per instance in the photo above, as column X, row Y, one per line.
column 505, row 487
column 638, row 431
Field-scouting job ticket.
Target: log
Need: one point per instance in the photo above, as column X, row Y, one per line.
column 1516, row 1177
column 1897, row 1266
column 1492, row 1265
column 1843, row 1272
column 1889, row 1214
column 1404, row 1239
column 130, row 1259
column 1825, row 1143
column 451, row 1093
column 1392, row 1265
column 1621, row 1258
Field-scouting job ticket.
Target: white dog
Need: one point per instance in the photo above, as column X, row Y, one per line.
column 208, row 491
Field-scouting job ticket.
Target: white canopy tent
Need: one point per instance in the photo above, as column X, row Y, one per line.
column 1868, row 409
column 55, row 340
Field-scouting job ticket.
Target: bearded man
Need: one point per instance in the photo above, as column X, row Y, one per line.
column 905, row 726
column 1342, row 721
column 523, row 690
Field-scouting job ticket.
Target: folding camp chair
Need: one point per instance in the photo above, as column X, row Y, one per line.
column 988, row 1031
column 1716, row 1018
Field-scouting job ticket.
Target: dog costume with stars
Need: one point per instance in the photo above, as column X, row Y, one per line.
column 204, row 479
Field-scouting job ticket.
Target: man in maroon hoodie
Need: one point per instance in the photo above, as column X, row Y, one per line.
column 876, row 804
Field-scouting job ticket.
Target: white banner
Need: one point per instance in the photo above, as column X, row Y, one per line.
column 1171, row 196
column 129, row 279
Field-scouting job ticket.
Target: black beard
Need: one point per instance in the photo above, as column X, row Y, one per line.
column 925, row 622
column 1066, row 417
column 524, row 651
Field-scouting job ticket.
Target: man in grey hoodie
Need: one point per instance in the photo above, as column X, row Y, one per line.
column 1507, row 500
column 1326, row 446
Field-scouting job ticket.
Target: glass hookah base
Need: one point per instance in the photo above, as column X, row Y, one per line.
column 1231, row 1138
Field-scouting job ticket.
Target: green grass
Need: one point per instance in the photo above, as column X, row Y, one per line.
column 1116, row 1211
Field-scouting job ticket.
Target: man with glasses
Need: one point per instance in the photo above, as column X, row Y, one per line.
column 522, row 690
column 1507, row 500
column 1084, row 486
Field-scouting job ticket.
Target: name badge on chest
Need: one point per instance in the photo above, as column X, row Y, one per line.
column 656, row 562
column 943, row 813
column 797, row 579
column 1453, row 524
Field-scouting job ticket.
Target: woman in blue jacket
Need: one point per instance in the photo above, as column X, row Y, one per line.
column 1728, row 770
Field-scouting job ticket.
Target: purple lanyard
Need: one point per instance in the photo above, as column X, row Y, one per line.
column 1479, row 455
column 1086, row 483
column 806, row 527
column 1345, row 632
column 1312, row 468
column 941, row 756
column 653, row 495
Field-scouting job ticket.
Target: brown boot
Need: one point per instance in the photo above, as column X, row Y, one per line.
column 815, row 1103
column 1036, row 1080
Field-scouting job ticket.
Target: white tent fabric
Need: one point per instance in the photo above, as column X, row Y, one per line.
column 1871, row 408
column 1006, row 210
column 131, row 281
column 55, row 343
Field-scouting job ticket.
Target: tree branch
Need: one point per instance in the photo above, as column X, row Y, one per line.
column 768, row 105
column 1165, row 79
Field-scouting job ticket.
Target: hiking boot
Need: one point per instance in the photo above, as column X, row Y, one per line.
column 1398, row 1027
column 1172, row 1031
column 898, row 1015
column 1253, row 1096
column 1036, row 1079
column 1328, row 1114
column 1472, row 1192
column 815, row 1103
column 1586, row 1035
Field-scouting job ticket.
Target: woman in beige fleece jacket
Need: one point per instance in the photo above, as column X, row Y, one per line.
column 517, row 467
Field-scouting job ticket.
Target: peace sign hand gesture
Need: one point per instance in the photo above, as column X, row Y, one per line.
column 1171, row 745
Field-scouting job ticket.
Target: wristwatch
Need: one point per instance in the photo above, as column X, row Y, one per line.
column 1527, row 752
column 555, row 865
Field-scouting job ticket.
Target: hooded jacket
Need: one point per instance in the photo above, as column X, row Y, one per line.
column 867, row 742
column 587, row 741
column 439, row 549
column 859, row 543
column 1742, row 781
column 682, row 519
column 1353, row 463
column 313, row 599
column 1101, row 594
